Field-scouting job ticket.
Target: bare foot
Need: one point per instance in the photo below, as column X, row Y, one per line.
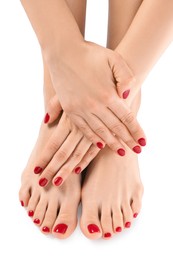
column 111, row 194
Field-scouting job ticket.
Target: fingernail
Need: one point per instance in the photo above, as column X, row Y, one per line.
column 142, row 141
column 78, row 170
column 46, row 229
column 126, row 93
column 36, row 221
column 60, row 228
column 38, row 170
column 43, row 182
column 58, row 181
column 137, row 149
column 118, row 229
column 30, row 213
column 135, row 215
column 46, row 118
column 128, row 224
column 107, row 235
column 92, row 228
column 100, row 145
column 22, row 203
column 121, row 152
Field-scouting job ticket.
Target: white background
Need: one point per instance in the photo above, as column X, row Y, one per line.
column 21, row 109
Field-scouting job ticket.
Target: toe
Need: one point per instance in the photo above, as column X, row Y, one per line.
column 106, row 223
column 24, row 195
column 32, row 204
column 118, row 224
column 136, row 206
column 127, row 214
column 40, row 211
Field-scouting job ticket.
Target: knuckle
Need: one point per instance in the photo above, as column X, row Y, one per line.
column 49, row 172
column 117, row 128
column 113, row 146
column 77, row 155
column 52, row 146
column 101, row 131
column 128, row 119
column 92, row 153
column 61, row 155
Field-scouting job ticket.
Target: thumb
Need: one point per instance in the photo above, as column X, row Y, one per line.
column 53, row 110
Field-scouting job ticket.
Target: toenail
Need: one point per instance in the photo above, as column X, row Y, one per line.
column 78, row 170
column 30, row 213
column 58, row 181
column 43, row 182
column 22, row 203
column 36, row 221
column 128, row 224
column 118, row 229
column 46, row 229
column 121, row 152
column 92, row 228
column 107, row 235
column 38, row 170
column 126, row 93
column 100, row 145
column 46, row 118
column 135, row 215
column 142, row 141
column 137, row 149
column 60, row 228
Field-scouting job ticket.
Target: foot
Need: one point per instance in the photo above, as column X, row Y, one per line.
column 52, row 209
column 111, row 194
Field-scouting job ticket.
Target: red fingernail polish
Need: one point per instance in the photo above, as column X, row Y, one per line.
column 135, row 215
column 121, row 152
column 38, row 170
column 118, row 229
column 30, row 213
column 43, row 182
column 58, row 181
column 100, row 145
column 92, row 228
column 128, row 225
column 137, row 149
column 107, row 235
column 36, row 221
column 78, row 170
column 22, row 203
column 46, row 229
column 46, row 118
column 142, row 141
column 60, row 228
column 126, row 93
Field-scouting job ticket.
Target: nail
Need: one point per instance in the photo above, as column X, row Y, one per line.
column 128, row 224
column 36, row 221
column 46, row 229
column 142, row 141
column 78, row 170
column 22, row 203
column 60, row 228
column 46, row 118
column 121, row 152
column 100, row 145
column 118, row 229
column 135, row 215
column 30, row 213
column 137, row 149
column 92, row 228
column 43, row 182
column 107, row 235
column 126, row 93
column 38, row 170
column 58, row 181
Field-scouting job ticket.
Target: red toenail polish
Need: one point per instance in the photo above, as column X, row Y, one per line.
column 43, row 182
column 46, row 118
column 126, row 93
column 22, row 203
column 60, row 228
column 107, row 235
column 135, row 215
column 118, row 229
column 58, row 181
column 38, row 170
column 36, row 221
column 46, row 229
column 142, row 141
column 100, row 145
column 128, row 225
column 121, row 152
column 137, row 149
column 92, row 228
column 30, row 213
column 78, row 170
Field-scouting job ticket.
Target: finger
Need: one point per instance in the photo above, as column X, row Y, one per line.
column 53, row 110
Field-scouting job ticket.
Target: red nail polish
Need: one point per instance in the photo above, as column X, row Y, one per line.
column 38, row 170
column 107, row 235
column 46, row 229
column 126, row 93
column 36, row 221
column 43, row 182
column 118, row 229
column 137, row 149
column 100, row 145
column 135, row 215
column 30, row 213
column 60, row 228
column 78, row 170
column 58, row 181
column 121, row 152
column 128, row 224
column 142, row 141
column 92, row 228
column 46, row 118
column 22, row 203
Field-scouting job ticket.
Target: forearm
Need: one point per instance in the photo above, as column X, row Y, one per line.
column 148, row 36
